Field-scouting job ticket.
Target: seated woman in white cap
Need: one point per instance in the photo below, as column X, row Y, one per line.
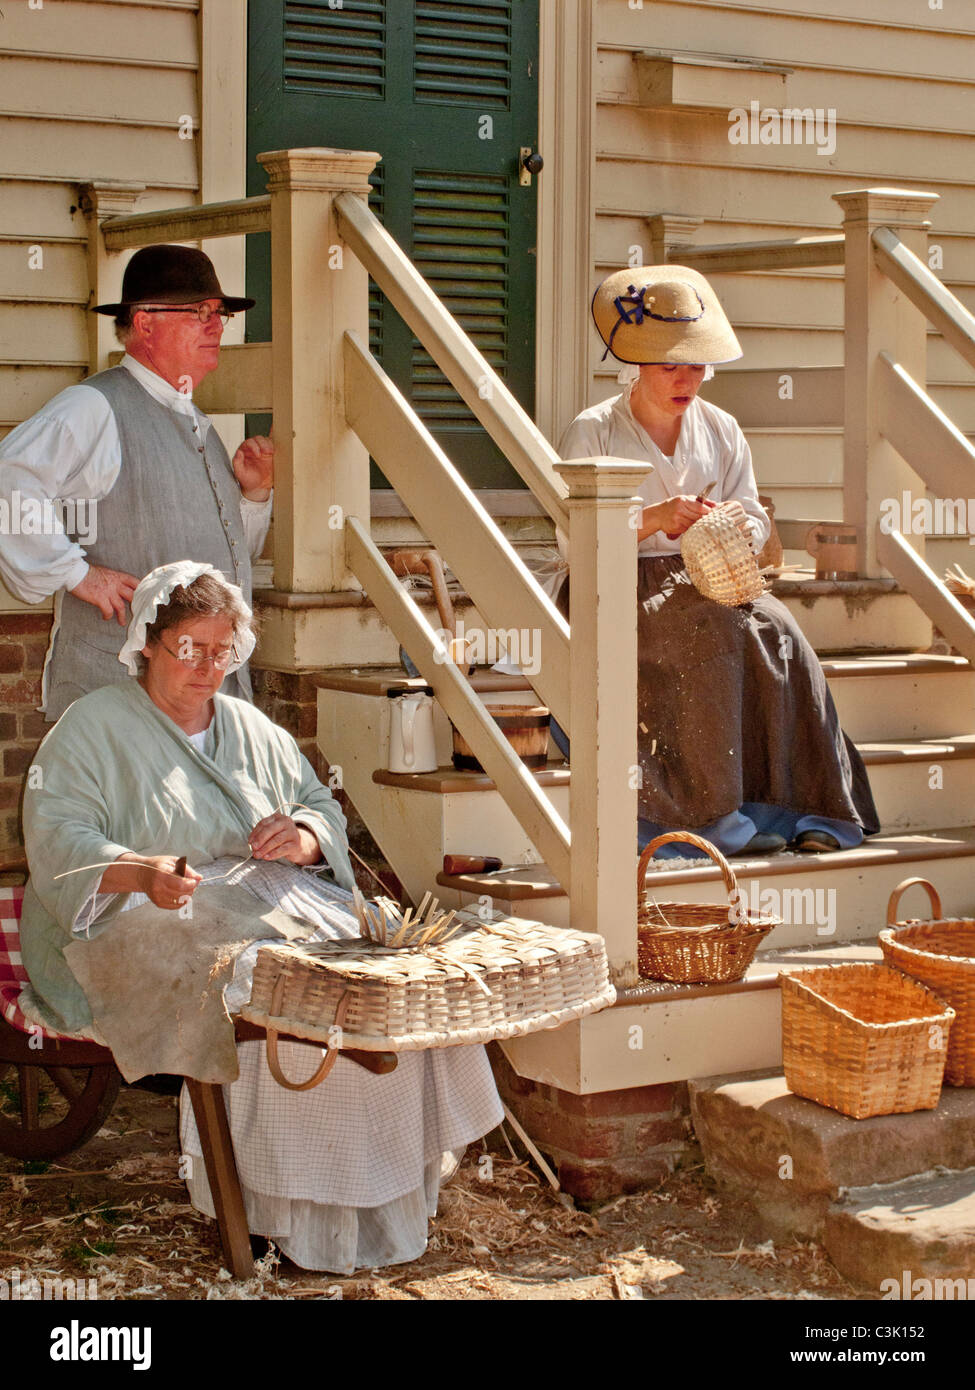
column 738, row 735
column 132, row 778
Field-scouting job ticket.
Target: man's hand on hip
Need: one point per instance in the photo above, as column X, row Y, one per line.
column 254, row 468
column 110, row 591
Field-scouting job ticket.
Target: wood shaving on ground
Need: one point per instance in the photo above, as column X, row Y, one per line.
column 117, row 1213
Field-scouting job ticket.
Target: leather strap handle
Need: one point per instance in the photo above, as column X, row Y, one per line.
column 274, row 1065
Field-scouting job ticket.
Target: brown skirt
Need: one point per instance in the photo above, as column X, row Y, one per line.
column 733, row 707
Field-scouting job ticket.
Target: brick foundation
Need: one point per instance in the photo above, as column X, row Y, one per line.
column 604, row 1144
column 23, row 643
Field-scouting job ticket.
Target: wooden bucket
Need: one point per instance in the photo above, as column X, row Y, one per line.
column 524, row 726
column 833, row 546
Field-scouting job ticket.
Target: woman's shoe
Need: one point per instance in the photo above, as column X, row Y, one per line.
column 815, row 842
column 762, row 843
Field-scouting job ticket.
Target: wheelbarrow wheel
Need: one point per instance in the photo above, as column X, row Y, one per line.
column 47, row 1111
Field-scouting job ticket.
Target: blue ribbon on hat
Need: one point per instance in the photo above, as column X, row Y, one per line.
column 640, row 310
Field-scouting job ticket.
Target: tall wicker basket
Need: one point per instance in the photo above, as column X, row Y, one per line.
column 941, row 954
column 695, row 943
column 863, row 1039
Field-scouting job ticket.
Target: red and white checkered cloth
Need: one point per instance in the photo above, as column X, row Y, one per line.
column 13, row 976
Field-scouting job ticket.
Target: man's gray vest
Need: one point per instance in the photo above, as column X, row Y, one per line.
column 174, row 499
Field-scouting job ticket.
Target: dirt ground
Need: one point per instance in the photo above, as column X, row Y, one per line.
column 117, row 1211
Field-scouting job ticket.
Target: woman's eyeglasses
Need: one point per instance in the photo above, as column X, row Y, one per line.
column 202, row 311
column 198, row 658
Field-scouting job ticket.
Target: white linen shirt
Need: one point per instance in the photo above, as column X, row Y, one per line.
column 70, row 450
column 710, row 449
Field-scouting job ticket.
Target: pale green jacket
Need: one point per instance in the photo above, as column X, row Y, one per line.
column 116, row 775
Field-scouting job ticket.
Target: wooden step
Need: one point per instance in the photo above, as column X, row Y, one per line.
column 789, row 885
column 921, row 785
column 911, row 696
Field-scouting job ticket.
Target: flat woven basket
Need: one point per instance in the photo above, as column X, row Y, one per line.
column 695, row 943
column 491, row 980
column 719, row 560
column 863, row 1039
column 941, row 954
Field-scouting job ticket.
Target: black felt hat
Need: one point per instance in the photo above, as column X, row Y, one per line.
column 171, row 275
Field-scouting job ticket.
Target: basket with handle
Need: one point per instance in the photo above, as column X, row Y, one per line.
column 695, row 943
column 941, row 954
column 719, row 560
column 863, row 1039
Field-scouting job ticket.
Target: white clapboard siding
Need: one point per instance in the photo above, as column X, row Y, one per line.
column 863, row 97
column 114, row 92
column 25, row 389
column 144, row 31
column 862, row 36
column 58, row 274
column 89, row 90
column 42, row 333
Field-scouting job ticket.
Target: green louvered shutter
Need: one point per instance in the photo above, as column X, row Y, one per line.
column 448, row 94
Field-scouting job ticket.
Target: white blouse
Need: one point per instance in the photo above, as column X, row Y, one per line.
column 710, row 449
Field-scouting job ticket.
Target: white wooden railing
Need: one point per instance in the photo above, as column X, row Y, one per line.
column 895, row 436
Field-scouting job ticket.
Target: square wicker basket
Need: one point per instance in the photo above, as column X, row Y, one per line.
column 863, row 1039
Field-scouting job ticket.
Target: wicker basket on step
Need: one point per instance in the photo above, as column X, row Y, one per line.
column 941, row 954
column 695, row 943
column 863, row 1039
column 719, row 560
column 497, row 979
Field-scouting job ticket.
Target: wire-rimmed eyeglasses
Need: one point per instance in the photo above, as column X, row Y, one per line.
column 202, row 311
column 198, row 658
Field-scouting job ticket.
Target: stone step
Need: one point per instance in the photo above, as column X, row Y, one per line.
column 790, row 1161
column 913, row 1239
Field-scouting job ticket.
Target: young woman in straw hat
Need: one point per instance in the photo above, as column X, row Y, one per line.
column 738, row 735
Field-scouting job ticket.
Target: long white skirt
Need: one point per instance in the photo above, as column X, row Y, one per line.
column 347, row 1175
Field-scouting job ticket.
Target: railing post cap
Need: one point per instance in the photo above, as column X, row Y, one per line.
column 611, row 478
column 900, row 206
column 318, row 168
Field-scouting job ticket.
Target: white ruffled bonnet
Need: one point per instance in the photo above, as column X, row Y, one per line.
column 153, row 592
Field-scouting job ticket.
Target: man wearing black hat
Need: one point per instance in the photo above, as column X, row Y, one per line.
column 128, row 450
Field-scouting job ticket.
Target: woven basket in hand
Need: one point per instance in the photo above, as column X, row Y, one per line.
column 941, row 954
column 695, row 943
column 719, row 560
column 497, row 979
column 863, row 1039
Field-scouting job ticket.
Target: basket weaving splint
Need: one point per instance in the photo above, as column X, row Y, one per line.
column 491, row 980
column 863, row 1039
column 719, row 560
column 695, row 943
column 941, row 954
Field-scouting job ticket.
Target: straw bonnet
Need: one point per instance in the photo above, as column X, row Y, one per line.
column 663, row 313
column 171, row 275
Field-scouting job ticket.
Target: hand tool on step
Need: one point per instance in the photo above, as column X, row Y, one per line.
column 406, row 562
